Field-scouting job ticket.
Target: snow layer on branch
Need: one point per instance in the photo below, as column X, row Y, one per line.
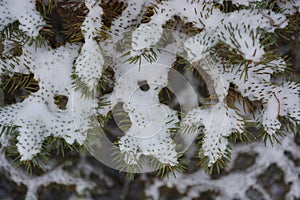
column 146, row 36
column 241, row 30
column 270, row 116
column 89, row 63
column 257, row 86
column 219, row 122
column 255, row 82
column 149, row 133
column 38, row 116
column 284, row 101
column 82, row 109
column 289, row 97
column 92, row 22
column 150, row 120
column 130, row 17
column 289, row 6
column 24, row 11
column 192, row 11
column 198, row 46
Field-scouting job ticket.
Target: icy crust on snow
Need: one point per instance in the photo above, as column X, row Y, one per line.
column 149, row 133
column 38, row 116
column 89, row 63
column 23, row 11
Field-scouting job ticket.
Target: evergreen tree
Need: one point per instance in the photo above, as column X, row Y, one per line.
column 137, row 82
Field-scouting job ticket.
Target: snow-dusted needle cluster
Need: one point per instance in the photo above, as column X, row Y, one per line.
column 230, row 46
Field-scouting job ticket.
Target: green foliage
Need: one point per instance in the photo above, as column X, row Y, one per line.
column 18, row 38
column 166, row 169
column 149, row 55
column 13, row 33
column 185, row 130
column 289, row 124
column 179, row 25
column 1, row 97
column 18, row 85
column 266, row 137
column 11, row 150
column 221, row 163
column 73, row 15
column 61, row 101
column 104, row 86
column 46, row 7
column 161, row 168
column 246, row 136
column 39, row 161
column 67, row 23
column 228, row 6
column 150, row 11
column 121, row 118
column 130, row 169
column 112, row 9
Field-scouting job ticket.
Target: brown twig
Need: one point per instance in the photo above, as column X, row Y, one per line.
column 272, row 22
column 278, row 104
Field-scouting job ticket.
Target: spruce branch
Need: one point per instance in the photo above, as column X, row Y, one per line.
column 104, row 86
column 150, row 55
column 19, row 85
column 40, row 160
column 127, row 162
column 164, row 170
column 221, row 163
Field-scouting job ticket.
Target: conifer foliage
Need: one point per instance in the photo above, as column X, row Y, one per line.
column 66, row 66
